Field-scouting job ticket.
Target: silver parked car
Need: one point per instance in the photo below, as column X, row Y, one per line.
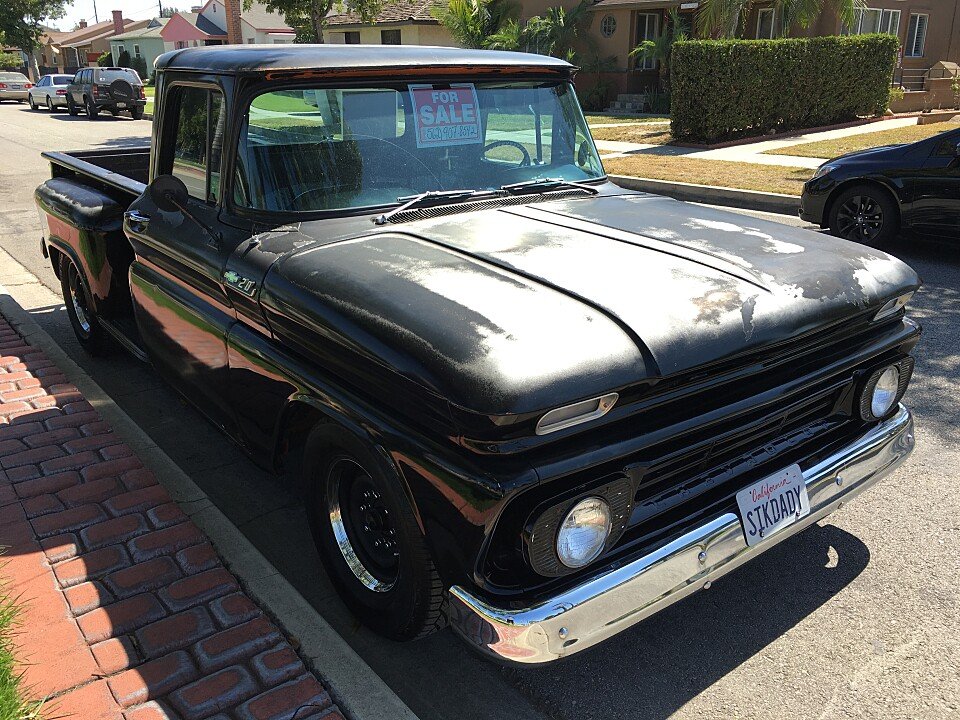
column 14, row 86
column 50, row 92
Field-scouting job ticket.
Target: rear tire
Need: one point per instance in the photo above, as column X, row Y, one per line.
column 865, row 214
column 83, row 319
column 368, row 537
column 92, row 110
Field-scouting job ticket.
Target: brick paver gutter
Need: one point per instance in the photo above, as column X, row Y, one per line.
column 127, row 610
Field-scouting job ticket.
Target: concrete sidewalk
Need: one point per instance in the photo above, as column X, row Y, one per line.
column 128, row 612
column 754, row 152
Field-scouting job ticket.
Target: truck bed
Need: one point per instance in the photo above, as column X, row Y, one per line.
column 120, row 172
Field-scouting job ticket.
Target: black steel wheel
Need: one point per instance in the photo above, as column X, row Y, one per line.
column 93, row 112
column 368, row 538
column 82, row 317
column 865, row 214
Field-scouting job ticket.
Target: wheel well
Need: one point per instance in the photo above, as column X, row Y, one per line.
column 297, row 421
column 844, row 186
column 56, row 259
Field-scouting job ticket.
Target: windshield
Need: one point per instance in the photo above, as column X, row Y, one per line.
column 325, row 149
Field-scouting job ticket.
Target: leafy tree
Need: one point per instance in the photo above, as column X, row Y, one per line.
column 725, row 18
column 140, row 65
column 21, row 24
column 105, row 59
column 475, row 23
column 124, row 59
column 10, row 60
column 309, row 17
column 167, row 12
column 560, row 31
column 661, row 48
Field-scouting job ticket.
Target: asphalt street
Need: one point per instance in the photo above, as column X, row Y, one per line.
column 856, row 617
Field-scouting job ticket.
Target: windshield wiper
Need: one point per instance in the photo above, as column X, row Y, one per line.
column 426, row 199
column 543, row 183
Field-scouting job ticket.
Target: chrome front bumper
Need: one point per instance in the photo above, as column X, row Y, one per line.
column 603, row 606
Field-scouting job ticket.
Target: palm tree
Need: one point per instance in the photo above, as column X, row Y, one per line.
column 661, row 48
column 724, row 18
column 473, row 22
column 559, row 31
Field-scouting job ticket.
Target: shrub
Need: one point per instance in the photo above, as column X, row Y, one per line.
column 725, row 89
column 140, row 65
column 124, row 59
column 105, row 60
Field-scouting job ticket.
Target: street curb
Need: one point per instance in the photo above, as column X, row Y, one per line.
column 713, row 194
column 359, row 692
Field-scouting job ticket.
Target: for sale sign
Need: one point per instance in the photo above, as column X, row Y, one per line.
column 446, row 116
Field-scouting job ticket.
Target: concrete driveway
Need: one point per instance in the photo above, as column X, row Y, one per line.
column 856, row 617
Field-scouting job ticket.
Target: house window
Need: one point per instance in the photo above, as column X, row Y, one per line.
column 136, row 51
column 873, row 20
column 351, row 38
column 648, row 28
column 181, row 44
column 916, row 35
column 765, row 20
column 389, row 37
column 608, row 26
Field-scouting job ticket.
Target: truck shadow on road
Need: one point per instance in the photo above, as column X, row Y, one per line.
column 659, row 665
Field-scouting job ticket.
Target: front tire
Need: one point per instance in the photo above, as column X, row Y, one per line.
column 368, row 538
column 83, row 319
column 49, row 104
column 865, row 214
column 72, row 109
column 93, row 112
column 136, row 113
column 31, row 103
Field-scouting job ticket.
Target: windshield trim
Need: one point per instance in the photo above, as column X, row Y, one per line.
column 248, row 94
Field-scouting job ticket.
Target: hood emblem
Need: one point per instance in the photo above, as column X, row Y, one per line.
column 245, row 285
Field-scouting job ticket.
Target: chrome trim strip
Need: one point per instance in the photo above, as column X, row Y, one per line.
column 591, row 410
column 603, row 606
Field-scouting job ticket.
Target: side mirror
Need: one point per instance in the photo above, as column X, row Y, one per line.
column 583, row 154
column 168, row 193
column 956, row 150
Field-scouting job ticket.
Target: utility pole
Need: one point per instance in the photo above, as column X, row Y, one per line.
column 160, row 8
column 96, row 19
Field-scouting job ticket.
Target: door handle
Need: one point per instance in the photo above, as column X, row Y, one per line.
column 137, row 220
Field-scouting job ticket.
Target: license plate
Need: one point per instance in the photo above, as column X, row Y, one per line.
column 121, row 105
column 15, row 87
column 772, row 504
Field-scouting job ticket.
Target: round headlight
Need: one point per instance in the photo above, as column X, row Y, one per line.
column 885, row 392
column 583, row 532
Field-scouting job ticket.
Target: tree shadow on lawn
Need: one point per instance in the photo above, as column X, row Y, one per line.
column 656, row 667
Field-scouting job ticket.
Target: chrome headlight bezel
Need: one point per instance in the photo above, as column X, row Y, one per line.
column 871, row 412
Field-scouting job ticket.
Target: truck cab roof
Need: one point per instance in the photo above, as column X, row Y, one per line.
column 247, row 59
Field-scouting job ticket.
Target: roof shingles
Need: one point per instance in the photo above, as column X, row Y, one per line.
column 396, row 12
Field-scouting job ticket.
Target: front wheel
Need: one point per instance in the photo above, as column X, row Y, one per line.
column 136, row 113
column 72, row 109
column 92, row 110
column 865, row 214
column 32, row 103
column 368, row 537
column 83, row 319
column 49, row 104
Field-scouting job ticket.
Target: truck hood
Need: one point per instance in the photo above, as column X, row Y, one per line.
column 524, row 308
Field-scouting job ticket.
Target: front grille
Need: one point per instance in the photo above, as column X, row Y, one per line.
column 704, row 472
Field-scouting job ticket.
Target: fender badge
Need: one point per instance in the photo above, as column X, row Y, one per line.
column 245, row 285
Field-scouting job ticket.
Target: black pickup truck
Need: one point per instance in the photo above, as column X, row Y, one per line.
column 521, row 400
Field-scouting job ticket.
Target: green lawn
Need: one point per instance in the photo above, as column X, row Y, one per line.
column 13, row 705
column 827, row 149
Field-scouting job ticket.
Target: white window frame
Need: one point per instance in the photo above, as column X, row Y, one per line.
column 773, row 20
column 647, row 63
column 910, row 48
column 889, row 22
column 136, row 50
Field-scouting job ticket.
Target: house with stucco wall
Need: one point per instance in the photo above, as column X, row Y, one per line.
column 207, row 25
column 398, row 23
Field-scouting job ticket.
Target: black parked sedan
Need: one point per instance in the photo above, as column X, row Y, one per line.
column 871, row 195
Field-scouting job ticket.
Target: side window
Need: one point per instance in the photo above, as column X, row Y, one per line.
column 43, row 81
column 199, row 141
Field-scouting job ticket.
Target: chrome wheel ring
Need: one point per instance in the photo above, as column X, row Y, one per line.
column 362, row 526
column 78, row 299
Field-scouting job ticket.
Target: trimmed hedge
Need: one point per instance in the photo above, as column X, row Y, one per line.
column 726, row 89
